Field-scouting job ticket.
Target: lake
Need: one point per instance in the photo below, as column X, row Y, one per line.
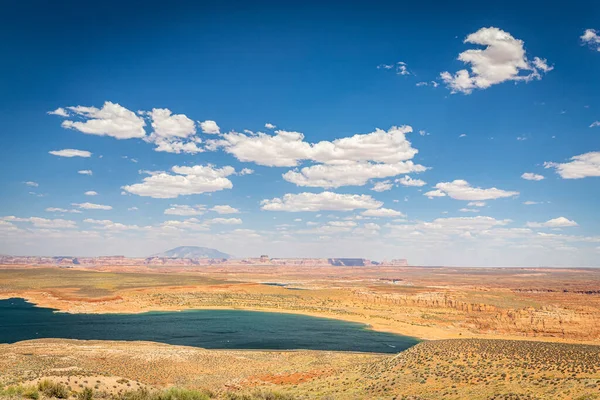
column 211, row 329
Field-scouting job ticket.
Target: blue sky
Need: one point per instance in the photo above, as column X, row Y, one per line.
column 175, row 104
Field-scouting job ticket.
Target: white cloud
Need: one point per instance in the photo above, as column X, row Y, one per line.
column 462, row 135
column 408, row 181
column 173, row 133
column 110, row 225
column 431, row 83
column 111, row 120
column 434, row 193
column 461, row 190
column 580, row 166
column 382, row 212
column 224, row 221
column 503, row 59
column 320, row 201
column 595, row 124
column 225, row 209
column 61, row 112
column 287, row 149
column 91, row 206
column 284, row 149
column 71, row 153
column 31, row 183
column 382, row 186
column 190, row 223
column 177, row 146
column 167, row 125
column 177, row 209
column 400, row 67
column 560, row 222
column 185, row 181
column 473, row 210
column 354, row 174
column 91, row 193
column 591, row 38
column 44, row 222
column 246, row 171
column 476, row 204
column 531, row 203
column 542, row 65
column 132, row 209
column 379, row 146
column 210, row 127
column 530, row 176
column 270, row 126
column 85, row 172
column 62, row 210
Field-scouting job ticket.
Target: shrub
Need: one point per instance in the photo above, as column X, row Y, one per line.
column 51, row 389
column 85, row 394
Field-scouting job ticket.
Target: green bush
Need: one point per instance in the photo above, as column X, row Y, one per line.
column 85, row 394
column 51, row 389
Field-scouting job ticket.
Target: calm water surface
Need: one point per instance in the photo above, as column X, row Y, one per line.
column 211, row 329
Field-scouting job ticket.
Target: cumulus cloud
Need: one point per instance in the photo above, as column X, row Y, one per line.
column 31, row 183
column 61, row 112
column 531, row 203
column 85, row 172
column 408, row 181
column 43, row 222
column 71, row 153
column 184, row 181
column 246, row 171
column 382, row 212
column 91, row 193
column 560, row 222
column 177, row 146
column 284, row 149
column 173, row 133
column 434, row 193
column 354, row 174
column 111, row 120
column 210, row 127
column 178, row 209
column 225, row 209
column 530, row 176
column 320, row 201
column 503, row 59
column 581, row 166
column 382, row 186
column 591, row 38
column 169, row 125
column 270, row 126
column 287, row 149
column 595, row 124
column 92, row 206
column 461, row 190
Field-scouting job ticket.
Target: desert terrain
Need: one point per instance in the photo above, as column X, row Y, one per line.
column 489, row 333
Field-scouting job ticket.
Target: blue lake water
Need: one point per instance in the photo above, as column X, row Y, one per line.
column 211, row 329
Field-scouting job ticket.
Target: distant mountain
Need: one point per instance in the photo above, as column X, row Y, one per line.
column 193, row 252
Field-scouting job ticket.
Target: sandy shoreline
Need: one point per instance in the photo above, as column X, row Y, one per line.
column 421, row 333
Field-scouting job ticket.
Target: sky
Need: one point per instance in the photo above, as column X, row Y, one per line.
column 447, row 134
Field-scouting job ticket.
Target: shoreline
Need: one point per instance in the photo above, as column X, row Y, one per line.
column 421, row 333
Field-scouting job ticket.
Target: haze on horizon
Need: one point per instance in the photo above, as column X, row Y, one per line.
column 303, row 132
